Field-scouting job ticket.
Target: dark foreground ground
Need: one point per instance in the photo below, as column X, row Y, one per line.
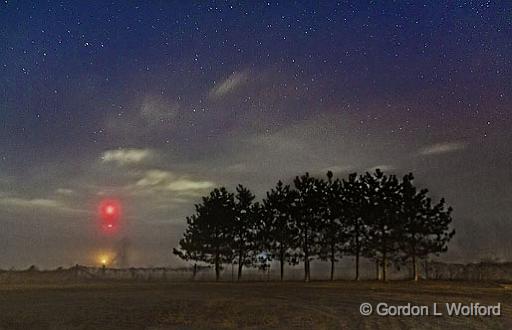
column 317, row 305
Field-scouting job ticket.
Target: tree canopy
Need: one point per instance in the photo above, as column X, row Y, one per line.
column 371, row 215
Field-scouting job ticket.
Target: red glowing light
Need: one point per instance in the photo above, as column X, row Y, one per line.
column 110, row 209
column 110, row 212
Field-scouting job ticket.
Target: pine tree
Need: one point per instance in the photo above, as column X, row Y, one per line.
column 308, row 216
column 382, row 199
column 333, row 229
column 209, row 232
column 279, row 233
column 355, row 202
column 372, row 215
column 190, row 246
column 425, row 227
column 244, row 228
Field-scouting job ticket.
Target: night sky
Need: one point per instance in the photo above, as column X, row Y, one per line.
column 156, row 102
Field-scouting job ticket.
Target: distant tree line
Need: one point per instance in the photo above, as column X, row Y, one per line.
column 372, row 215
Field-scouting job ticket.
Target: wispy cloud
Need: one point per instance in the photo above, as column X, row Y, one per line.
column 234, row 81
column 64, row 191
column 441, row 148
column 126, row 156
column 155, row 178
column 156, row 111
column 165, row 181
column 37, row 204
column 189, row 185
column 145, row 116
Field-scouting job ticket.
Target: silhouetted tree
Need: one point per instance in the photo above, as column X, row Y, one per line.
column 211, row 229
column 380, row 214
column 354, row 201
column 333, row 227
column 244, row 228
column 307, row 216
column 279, row 233
column 425, row 227
column 190, row 246
column 372, row 215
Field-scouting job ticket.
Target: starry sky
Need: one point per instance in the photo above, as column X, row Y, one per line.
column 156, row 102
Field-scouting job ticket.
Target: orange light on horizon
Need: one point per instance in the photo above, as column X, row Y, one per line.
column 104, row 259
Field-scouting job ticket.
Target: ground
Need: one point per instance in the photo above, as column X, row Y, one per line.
column 256, row 305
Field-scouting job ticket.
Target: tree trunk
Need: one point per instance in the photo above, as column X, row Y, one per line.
column 217, row 258
column 384, row 257
column 357, row 264
column 240, row 266
column 306, row 256
column 281, row 262
column 332, row 270
column 414, row 261
column 357, row 252
column 333, row 260
column 194, row 271
column 384, row 266
column 307, row 270
column 217, row 267
column 414, row 268
column 377, row 270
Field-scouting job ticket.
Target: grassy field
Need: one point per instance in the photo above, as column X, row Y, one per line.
column 257, row 305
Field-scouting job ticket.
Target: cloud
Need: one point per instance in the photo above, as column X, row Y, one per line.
column 188, row 185
column 156, row 111
column 37, row 203
column 146, row 116
column 155, row 178
column 441, row 148
column 126, row 156
column 165, row 181
column 64, row 191
column 234, row 81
